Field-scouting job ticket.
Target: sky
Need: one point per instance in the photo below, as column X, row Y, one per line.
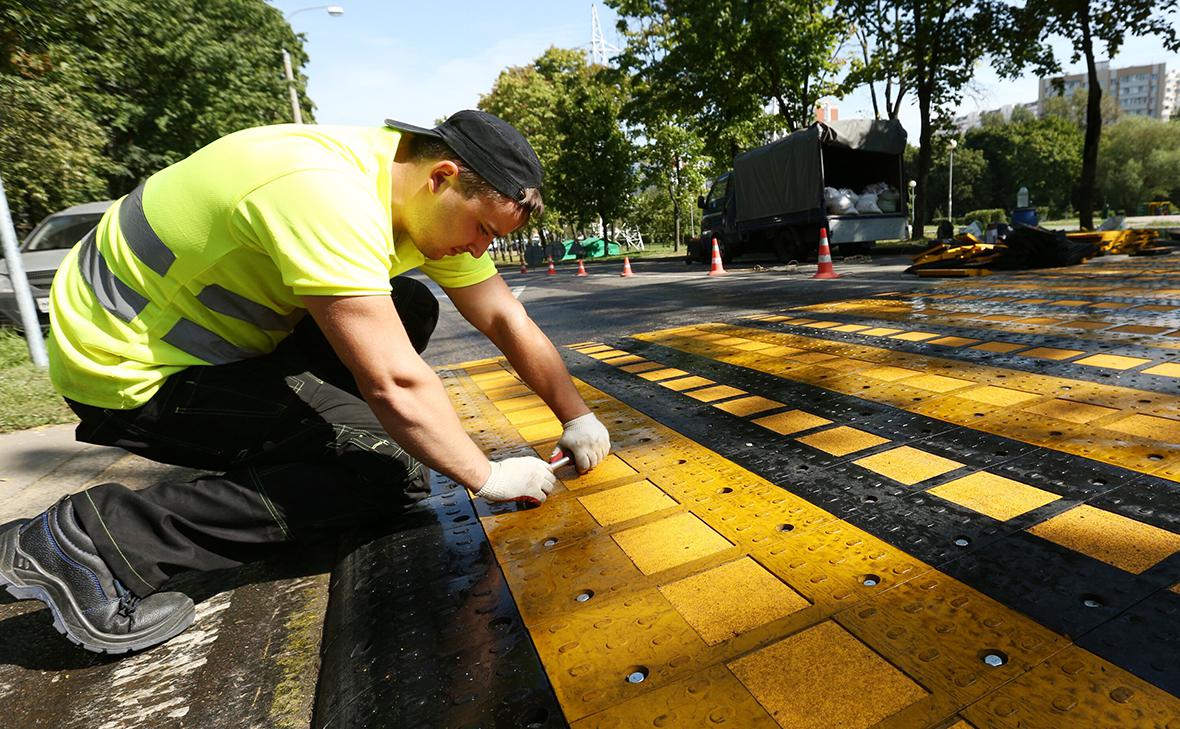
column 420, row 61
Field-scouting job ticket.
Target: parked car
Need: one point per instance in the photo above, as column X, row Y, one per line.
column 42, row 252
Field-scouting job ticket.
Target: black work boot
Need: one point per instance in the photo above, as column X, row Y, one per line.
column 50, row 559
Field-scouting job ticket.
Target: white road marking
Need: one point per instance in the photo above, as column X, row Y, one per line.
column 518, row 290
column 156, row 683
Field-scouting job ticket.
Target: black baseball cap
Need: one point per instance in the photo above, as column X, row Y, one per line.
column 490, row 146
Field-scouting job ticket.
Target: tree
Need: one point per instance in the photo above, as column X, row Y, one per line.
column 1139, row 161
column 593, row 174
column 529, row 98
column 670, row 164
column 931, row 47
column 720, row 64
column 1043, row 155
column 113, row 90
column 1094, row 26
column 1073, row 108
column 879, row 33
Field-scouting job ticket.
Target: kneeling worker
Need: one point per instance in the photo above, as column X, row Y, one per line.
column 180, row 333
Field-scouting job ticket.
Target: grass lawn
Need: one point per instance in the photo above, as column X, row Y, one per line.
column 26, row 397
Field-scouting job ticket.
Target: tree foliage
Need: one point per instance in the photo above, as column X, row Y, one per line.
column 570, row 111
column 99, row 94
column 671, row 162
column 1139, row 161
column 928, row 48
column 719, row 65
column 1095, row 27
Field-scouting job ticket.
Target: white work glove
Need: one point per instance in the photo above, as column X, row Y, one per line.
column 586, row 440
column 526, row 479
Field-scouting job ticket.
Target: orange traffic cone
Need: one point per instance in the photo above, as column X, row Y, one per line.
column 552, row 269
column 581, row 268
column 626, row 267
column 825, row 257
column 717, row 269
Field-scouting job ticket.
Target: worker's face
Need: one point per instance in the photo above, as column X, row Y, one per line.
column 446, row 223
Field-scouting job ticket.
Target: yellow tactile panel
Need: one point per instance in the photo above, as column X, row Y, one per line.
column 732, row 599
column 898, row 624
column 663, row 374
column 670, row 542
column 999, row 347
column 1075, row 688
column 529, row 416
column 711, row 698
column 686, row 383
column 1002, row 396
column 624, row 503
column 642, row 367
column 792, row 421
column 1051, row 353
column 719, row 392
column 889, row 374
column 938, row 383
column 522, row 402
column 1168, row 369
column 908, row 465
column 915, row 336
column 842, row 440
column 1124, row 543
column 748, row 405
column 824, row 677
column 624, row 360
column 1112, row 361
column 1074, row 412
column 998, row 497
column 1148, row 426
column 611, row 469
column 952, row 341
column 606, row 354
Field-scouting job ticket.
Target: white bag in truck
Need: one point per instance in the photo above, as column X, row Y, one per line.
column 867, row 204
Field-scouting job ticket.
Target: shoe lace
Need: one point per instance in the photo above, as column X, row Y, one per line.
column 128, row 602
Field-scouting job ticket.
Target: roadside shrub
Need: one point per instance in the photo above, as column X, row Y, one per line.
column 986, row 215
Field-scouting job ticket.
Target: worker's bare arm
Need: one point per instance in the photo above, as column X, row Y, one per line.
column 493, row 310
column 405, row 394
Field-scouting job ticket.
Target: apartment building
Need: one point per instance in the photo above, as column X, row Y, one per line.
column 1140, row 90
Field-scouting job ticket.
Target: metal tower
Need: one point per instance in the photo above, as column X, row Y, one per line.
column 598, row 44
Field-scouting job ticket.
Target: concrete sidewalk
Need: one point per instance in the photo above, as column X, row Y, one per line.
column 250, row 660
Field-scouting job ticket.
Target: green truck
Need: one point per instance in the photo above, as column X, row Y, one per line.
column 778, row 196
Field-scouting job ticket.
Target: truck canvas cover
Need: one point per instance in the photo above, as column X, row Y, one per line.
column 786, row 176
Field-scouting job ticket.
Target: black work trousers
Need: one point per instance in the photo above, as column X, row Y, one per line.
column 301, row 455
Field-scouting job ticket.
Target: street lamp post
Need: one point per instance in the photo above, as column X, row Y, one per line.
column 950, row 183
column 296, row 111
column 910, row 208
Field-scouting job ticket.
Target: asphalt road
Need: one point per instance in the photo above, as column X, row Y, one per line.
column 662, row 293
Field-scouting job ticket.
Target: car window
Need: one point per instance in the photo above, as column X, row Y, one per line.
column 61, row 232
column 717, row 194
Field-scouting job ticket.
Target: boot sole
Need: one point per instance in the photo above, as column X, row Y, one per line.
column 77, row 631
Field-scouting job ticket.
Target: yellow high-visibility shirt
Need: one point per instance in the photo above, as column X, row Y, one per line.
column 245, row 226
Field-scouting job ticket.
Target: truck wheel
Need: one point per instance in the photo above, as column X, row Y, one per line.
column 786, row 246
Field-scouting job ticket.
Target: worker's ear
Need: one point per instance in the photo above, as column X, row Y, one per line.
column 442, row 173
